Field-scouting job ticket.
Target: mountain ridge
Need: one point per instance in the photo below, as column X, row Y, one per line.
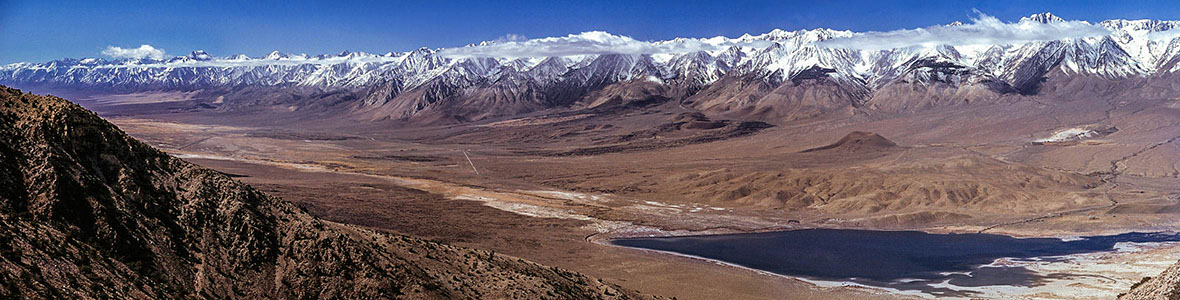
column 451, row 84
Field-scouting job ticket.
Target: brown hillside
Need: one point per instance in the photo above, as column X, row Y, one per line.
column 88, row 212
column 857, row 141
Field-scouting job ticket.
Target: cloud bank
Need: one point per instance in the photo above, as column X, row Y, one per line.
column 1163, row 36
column 592, row 42
column 511, row 37
column 144, row 51
column 984, row 30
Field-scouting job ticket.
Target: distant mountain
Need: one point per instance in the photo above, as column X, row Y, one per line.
column 87, row 212
column 779, row 75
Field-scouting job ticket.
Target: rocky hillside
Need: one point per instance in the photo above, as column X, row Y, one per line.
column 1164, row 286
column 87, row 212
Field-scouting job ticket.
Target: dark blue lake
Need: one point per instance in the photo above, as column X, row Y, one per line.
column 905, row 260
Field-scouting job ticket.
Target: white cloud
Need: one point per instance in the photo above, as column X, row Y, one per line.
column 1166, row 35
column 144, row 51
column 592, row 42
column 984, row 30
column 512, row 37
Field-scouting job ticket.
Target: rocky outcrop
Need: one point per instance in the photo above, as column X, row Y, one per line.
column 1164, row 286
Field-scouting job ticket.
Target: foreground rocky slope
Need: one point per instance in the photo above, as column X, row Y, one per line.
column 88, row 212
column 1164, row 286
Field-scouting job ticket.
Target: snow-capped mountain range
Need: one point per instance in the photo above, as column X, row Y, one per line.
column 539, row 73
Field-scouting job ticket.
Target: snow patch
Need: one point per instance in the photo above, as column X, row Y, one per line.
column 1072, row 134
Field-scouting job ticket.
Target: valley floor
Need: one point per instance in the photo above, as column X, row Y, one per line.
column 558, row 209
column 546, row 226
column 552, row 187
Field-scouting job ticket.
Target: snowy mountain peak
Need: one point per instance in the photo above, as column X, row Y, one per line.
column 200, row 55
column 1044, row 18
column 276, row 55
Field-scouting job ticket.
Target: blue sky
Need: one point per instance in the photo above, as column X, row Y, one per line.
column 46, row 30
